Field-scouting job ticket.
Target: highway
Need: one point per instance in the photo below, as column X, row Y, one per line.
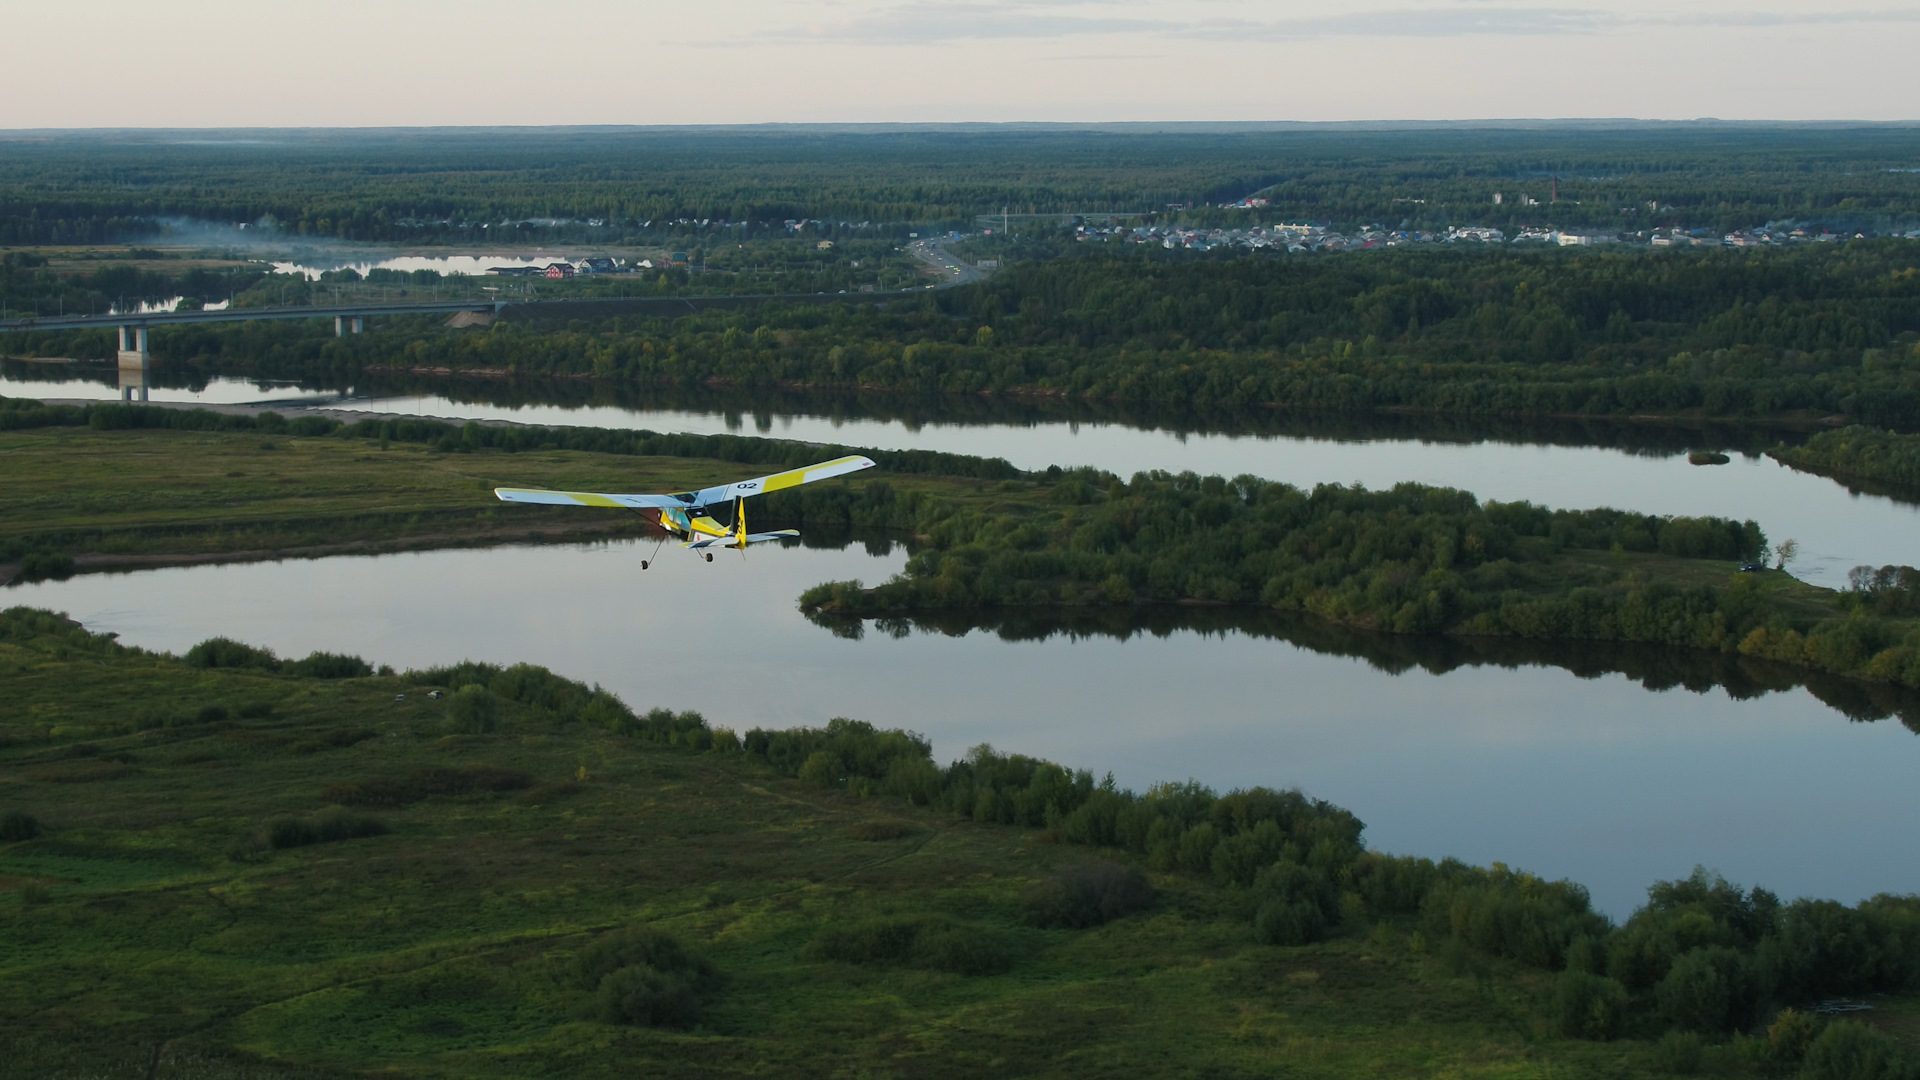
column 936, row 256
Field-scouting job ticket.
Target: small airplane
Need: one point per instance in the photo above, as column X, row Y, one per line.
column 685, row 513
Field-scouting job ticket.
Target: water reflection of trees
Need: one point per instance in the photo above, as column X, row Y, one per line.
column 1654, row 667
column 758, row 409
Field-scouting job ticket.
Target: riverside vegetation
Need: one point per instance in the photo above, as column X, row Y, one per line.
column 1883, row 461
column 985, row 537
column 221, row 866
column 1808, row 332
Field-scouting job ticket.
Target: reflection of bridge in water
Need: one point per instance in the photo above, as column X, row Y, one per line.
column 135, row 357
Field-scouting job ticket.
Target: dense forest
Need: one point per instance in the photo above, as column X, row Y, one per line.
column 443, row 185
column 1821, row 330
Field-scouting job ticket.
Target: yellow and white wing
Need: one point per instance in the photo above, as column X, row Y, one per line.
column 825, row 470
column 584, row 498
column 713, row 496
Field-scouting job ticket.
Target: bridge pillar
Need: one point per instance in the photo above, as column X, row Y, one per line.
column 358, row 324
column 133, row 384
column 342, row 322
column 133, row 347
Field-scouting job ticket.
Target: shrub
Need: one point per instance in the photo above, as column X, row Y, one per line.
column 1289, row 922
column 643, row 976
column 648, row 997
column 1789, row 1036
column 961, row 949
column 256, row 710
column 17, row 825
column 323, row 828
column 1088, row 894
column 40, row 565
column 220, row 652
column 936, row 944
column 1294, row 904
column 1587, row 1006
column 1678, row 1052
column 870, row 941
column 473, row 709
column 1851, row 1051
column 1710, row 990
column 326, row 665
column 211, row 714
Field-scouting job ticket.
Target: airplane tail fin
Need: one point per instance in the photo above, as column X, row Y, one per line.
column 739, row 522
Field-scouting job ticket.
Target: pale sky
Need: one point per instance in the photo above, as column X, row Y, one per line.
column 355, row 63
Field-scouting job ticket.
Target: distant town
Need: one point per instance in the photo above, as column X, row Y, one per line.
column 1310, row 238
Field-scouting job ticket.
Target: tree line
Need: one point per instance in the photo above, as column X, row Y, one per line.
column 1821, row 330
column 1702, row 958
column 443, row 186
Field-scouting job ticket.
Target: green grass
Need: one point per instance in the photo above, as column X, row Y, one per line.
column 117, row 498
column 445, row 947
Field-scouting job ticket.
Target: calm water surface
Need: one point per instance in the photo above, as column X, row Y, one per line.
column 1836, row 529
column 1597, row 778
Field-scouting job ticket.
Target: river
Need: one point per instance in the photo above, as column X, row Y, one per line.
column 1583, row 762
column 1508, row 757
column 1637, row 467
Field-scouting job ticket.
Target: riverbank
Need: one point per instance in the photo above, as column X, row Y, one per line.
column 219, row 864
column 1412, row 560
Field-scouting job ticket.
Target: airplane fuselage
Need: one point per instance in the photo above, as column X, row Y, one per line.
column 697, row 523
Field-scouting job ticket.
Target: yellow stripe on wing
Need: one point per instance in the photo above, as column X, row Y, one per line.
column 796, row 477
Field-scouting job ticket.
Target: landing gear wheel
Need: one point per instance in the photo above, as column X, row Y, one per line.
column 643, row 564
column 708, row 554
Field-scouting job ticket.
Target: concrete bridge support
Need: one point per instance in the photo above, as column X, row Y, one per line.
column 341, row 322
column 133, row 347
column 133, row 384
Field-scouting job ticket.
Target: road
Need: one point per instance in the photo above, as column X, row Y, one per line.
column 955, row 270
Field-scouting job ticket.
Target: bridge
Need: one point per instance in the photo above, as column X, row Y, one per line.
column 135, row 357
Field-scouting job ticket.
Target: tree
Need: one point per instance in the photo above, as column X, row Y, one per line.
column 1785, row 553
column 473, row 709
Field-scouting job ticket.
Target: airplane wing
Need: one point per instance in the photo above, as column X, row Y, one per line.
column 825, row 470
column 584, row 498
column 712, row 496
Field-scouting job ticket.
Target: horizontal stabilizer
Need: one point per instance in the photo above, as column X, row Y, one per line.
column 752, row 538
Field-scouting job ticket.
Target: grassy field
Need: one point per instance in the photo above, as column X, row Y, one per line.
column 123, row 498
column 148, row 932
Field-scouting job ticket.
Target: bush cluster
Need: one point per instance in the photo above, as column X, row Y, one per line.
column 644, row 977
column 17, row 825
column 932, row 942
column 1088, row 894
column 221, row 652
column 323, row 828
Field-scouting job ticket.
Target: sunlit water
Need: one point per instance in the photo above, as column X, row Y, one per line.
column 1596, row 779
